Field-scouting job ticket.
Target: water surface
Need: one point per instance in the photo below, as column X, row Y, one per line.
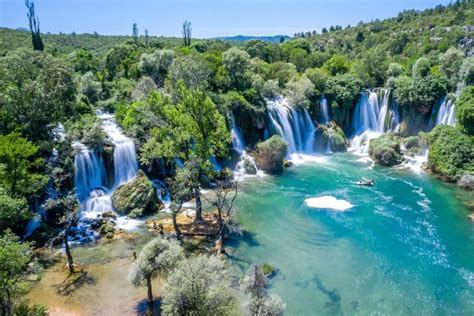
column 405, row 248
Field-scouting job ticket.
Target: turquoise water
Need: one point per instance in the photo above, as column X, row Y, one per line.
column 405, row 248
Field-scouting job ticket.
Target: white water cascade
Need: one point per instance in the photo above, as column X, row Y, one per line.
column 92, row 189
column 293, row 124
column 324, row 110
column 445, row 113
column 373, row 116
column 238, row 144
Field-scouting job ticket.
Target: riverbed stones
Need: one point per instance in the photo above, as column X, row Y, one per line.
column 136, row 198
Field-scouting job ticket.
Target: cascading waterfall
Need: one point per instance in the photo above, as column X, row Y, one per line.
column 373, row 116
column 445, row 113
column 293, row 124
column 238, row 144
column 92, row 189
column 324, row 110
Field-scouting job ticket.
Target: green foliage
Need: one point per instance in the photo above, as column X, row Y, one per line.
column 421, row 68
column 260, row 302
column 192, row 126
column 451, row 62
column 420, row 93
column 237, row 63
column 451, row 152
column 299, row 92
column 271, row 153
column 385, row 150
column 465, row 110
column 156, row 64
column 193, row 70
column 337, row 65
column 14, row 257
column 13, row 212
column 342, row 91
column 90, row 87
column 18, row 160
column 157, row 258
column 39, row 79
column 318, row 77
column 198, row 285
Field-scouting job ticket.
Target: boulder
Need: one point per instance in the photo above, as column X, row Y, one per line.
column 136, row 198
column 385, row 150
column 331, row 136
column 249, row 166
column 466, row 182
column 269, row 155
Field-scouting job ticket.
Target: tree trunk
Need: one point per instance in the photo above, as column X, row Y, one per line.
column 175, row 225
column 150, row 292
column 197, row 195
column 222, row 236
column 70, row 263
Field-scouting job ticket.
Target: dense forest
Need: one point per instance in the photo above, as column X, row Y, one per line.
column 180, row 101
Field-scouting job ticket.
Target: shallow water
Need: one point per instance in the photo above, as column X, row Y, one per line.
column 405, row 248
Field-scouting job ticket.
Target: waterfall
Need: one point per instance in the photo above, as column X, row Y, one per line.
column 125, row 157
column 373, row 116
column 90, row 179
column 238, row 142
column 324, row 110
column 293, row 124
column 445, row 113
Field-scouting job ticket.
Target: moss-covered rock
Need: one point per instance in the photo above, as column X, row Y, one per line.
column 136, row 198
column 385, row 150
column 270, row 154
column 333, row 135
column 451, row 154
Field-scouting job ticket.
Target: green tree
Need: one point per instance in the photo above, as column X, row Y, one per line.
column 193, row 129
column 193, row 70
column 17, row 163
column 135, row 33
column 14, row 257
column 36, row 92
column 13, row 212
column 337, row 65
column 68, row 207
column 237, row 63
column 186, row 33
column 451, row 62
column 260, row 302
column 156, row 64
column 157, row 258
column 198, row 285
column 465, row 110
column 34, row 26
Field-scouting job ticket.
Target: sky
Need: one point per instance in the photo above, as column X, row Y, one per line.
column 209, row 18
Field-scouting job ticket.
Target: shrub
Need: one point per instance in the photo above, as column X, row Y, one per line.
column 451, row 152
column 270, row 154
column 465, row 110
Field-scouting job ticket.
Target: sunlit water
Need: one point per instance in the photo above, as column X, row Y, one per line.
column 404, row 248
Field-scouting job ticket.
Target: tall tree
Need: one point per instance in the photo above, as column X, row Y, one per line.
column 193, row 130
column 17, row 163
column 68, row 206
column 146, row 37
column 186, row 32
column 34, row 26
column 14, row 257
column 198, row 286
column 225, row 195
column 157, row 258
column 260, row 301
column 135, row 33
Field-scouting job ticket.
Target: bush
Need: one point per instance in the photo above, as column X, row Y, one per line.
column 420, row 92
column 465, row 110
column 385, row 150
column 270, row 154
column 451, row 152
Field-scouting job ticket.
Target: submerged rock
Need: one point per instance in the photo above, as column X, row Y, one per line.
column 467, row 182
column 385, row 150
column 270, row 154
column 136, row 198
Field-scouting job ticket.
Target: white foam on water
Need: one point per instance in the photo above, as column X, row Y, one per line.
column 328, row 202
column 299, row 159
